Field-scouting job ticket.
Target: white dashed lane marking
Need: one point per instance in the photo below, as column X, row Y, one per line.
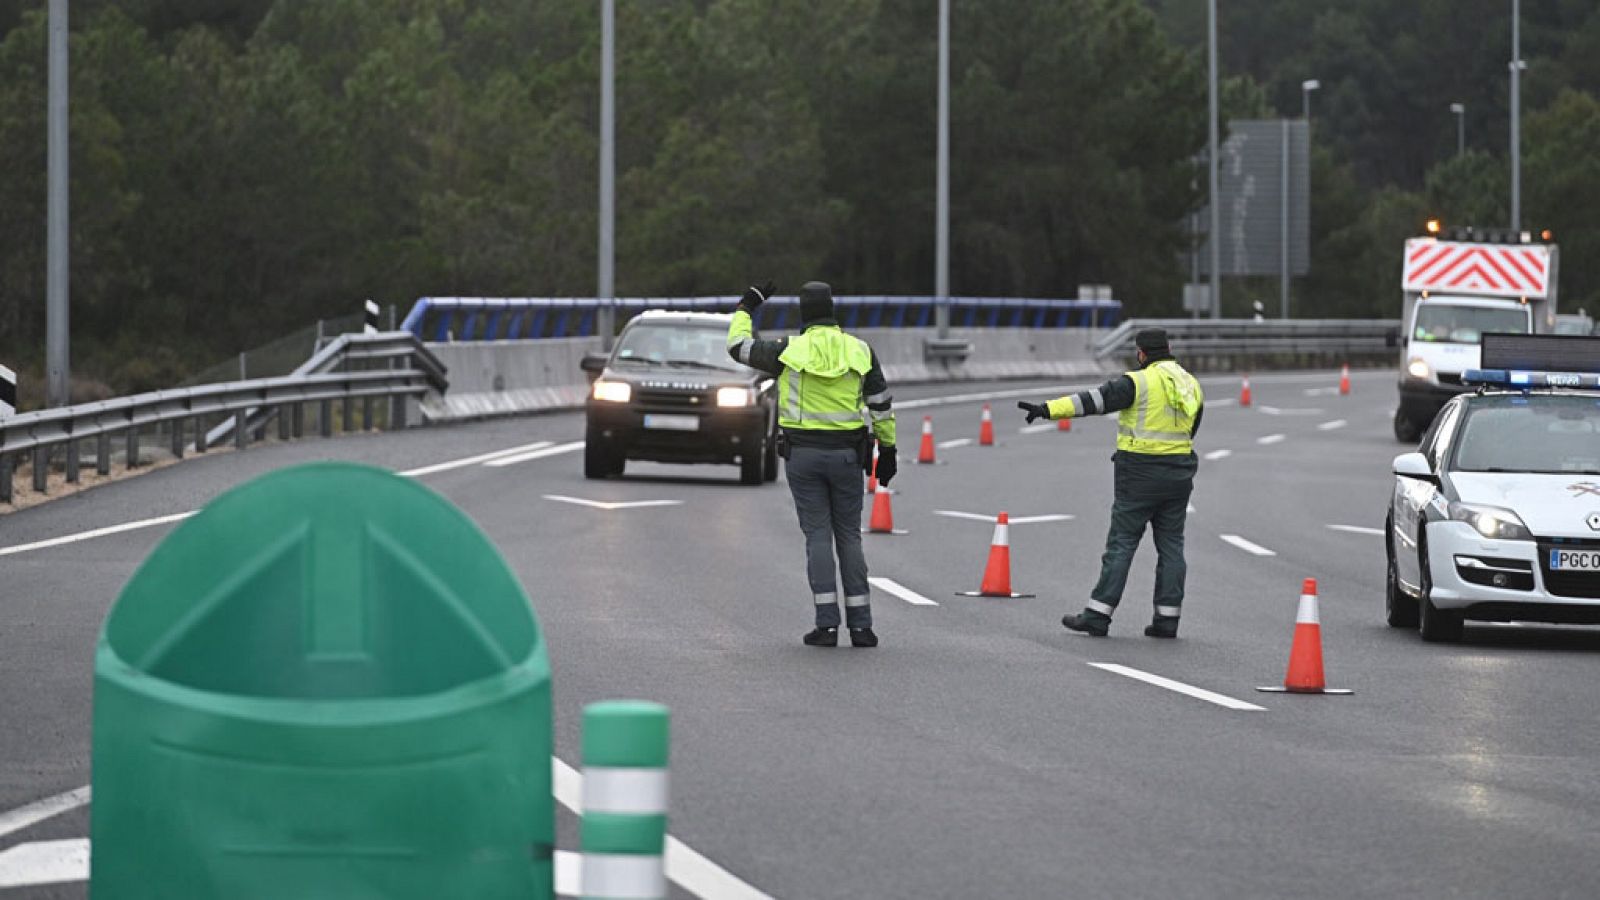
column 1224, row 453
column 1190, row 690
column 1271, row 439
column 890, row 586
column 1332, row 426
column 1247, row 546
column 1357, row 529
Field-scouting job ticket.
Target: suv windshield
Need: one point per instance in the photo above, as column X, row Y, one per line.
column 1539, row 433
column 676, row 344
column 1465, row 324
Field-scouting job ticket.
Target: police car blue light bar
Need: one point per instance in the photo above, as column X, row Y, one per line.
column 1518, row 379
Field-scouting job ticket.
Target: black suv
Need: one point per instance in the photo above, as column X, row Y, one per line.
column 669, row 392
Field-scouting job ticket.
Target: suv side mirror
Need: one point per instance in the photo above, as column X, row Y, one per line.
column 594, row 362
column 1392, row 338
column 1414, row 465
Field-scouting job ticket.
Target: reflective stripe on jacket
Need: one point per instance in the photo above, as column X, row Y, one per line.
column 1161, row 420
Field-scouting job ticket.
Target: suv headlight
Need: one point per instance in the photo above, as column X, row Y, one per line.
column 613, row 391
column 735, row 396
column 1491, row 521
column 1419, row 368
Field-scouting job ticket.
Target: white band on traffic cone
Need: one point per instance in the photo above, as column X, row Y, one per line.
column 1308, row 610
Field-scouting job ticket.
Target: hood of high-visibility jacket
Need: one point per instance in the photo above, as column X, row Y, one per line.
column 827, row 352
column 821, row 386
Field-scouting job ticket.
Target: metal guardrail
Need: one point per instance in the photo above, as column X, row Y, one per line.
column 399, row 367
column 442, row 319
column 1228, row 341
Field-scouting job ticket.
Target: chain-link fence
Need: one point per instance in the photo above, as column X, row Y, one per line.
column 282, row 356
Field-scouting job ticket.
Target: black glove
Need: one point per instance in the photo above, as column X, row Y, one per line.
column 755, row 296
column 1034, row 410
column 887, row 464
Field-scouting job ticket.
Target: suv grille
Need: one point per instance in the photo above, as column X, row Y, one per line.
column 1569, row 584
column 675, row 399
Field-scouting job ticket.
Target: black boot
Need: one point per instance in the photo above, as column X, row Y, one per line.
column 1162, row 627
column 822, row 637
column 1088, row 622
column 863, row 637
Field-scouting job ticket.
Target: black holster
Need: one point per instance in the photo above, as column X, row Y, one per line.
column 864, row 453
column 783, row 445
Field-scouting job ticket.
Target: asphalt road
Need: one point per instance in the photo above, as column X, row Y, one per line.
column 977, row 752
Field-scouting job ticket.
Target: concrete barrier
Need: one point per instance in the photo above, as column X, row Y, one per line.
column 496, row 378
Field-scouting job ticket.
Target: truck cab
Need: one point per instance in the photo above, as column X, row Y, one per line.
column 1457, row 289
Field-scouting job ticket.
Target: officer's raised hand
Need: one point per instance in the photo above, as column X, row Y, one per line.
column 887, row 464
column 1034, row 410
column 755, row 296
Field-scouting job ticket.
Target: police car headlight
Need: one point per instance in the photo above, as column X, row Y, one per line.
column 1491, row 521
column 613, row 391
column 734, row 396
column 1419, row 369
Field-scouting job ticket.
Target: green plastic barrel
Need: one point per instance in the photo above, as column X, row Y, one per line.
column 327, row 684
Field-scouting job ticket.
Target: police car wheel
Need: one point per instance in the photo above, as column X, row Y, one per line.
column 1399, row 610
column 1435, row 625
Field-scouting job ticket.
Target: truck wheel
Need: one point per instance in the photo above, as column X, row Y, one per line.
column 752, row 466
column 1405, row 430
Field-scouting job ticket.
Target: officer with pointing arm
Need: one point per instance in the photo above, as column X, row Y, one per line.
column 1159, row 407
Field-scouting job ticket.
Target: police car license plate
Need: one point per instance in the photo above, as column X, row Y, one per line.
column 672, row 423
column 1575, row 560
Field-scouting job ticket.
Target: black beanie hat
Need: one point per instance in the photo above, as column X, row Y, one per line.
column 816, row 301
column 1152, row 341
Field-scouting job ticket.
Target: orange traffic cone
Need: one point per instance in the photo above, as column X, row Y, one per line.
column 1305, row 655
column 1244, row 392
column 997, row 574
column 986, row 428
column 882, row 514
column 1344, row 379
column 1063, row 424
column 925, row 454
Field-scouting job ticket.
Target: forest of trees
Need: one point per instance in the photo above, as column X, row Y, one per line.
column 244, row 167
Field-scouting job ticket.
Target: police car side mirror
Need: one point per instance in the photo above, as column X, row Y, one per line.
column 1414, row 465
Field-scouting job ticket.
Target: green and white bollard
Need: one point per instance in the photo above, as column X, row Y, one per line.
column 624, row 830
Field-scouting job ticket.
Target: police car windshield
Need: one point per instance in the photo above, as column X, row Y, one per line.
column 1553, row 433
column 1444, row 323
column 676, row 344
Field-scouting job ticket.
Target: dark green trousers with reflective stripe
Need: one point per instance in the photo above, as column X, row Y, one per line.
column 1153, row 491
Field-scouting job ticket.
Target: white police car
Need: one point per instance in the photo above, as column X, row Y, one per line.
column 1496, row 517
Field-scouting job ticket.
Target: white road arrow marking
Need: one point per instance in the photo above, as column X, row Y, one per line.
column 1247, row 546
column 890, row 586
column 608, row 507
column 1358, row 529
column 39, row 810
column 1015, row 520
column 1188, row 689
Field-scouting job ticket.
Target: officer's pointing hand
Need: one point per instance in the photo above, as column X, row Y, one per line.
column 755, row 296
column 1034, row 410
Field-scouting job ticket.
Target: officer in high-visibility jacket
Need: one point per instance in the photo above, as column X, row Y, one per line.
column 825, row 379
column 1159, row 407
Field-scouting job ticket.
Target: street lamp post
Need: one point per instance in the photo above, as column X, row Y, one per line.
column 57, row 333
column 1460, row 109
column 1306, row 87
column 941, row 240
column 606, row 286
column 1517, row 65
column 1214, row 238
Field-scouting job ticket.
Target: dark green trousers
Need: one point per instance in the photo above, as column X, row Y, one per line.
column 1154, row 494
